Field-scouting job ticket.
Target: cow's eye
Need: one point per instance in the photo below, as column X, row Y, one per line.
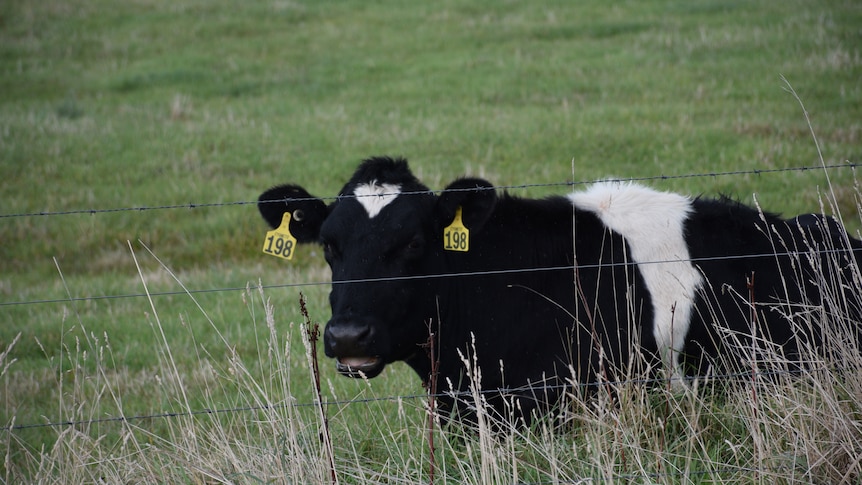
column 411, row 249
column 330, row 251
column 415, row 246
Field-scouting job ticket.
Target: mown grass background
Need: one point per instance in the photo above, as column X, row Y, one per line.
column 107, row 105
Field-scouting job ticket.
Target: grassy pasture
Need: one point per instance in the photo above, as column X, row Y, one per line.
column 107, row 105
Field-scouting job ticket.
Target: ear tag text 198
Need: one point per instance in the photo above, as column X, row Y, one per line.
column 280, row 242
column 456, row 237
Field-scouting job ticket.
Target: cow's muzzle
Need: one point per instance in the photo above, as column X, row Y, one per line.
column 351, row 343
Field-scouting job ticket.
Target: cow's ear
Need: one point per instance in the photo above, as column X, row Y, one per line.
column 476, row 197
column 306, row 211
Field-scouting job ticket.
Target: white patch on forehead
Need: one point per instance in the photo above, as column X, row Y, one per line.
column 374, row 197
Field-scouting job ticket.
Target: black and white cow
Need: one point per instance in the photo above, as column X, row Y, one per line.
column 564, row 287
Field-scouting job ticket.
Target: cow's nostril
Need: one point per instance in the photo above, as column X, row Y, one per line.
column 347, row 339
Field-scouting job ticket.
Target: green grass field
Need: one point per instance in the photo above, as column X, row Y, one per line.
column 152, row 104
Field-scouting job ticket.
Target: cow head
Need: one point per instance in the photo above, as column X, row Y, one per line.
column 382, row 232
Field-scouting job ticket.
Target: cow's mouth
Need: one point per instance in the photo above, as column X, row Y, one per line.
column 357, row 367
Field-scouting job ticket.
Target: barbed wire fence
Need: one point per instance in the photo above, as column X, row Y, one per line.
column 93, row 211
column 414, row 396
column 191, row 205
column 507, row 391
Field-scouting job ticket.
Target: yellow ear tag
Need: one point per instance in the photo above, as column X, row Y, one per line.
column 456, row 237
column 280, row 242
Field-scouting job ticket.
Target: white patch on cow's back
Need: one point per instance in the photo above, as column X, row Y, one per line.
column 653, row 225
column 374, row 197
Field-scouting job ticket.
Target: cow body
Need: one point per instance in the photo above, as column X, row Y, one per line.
column 561, row 289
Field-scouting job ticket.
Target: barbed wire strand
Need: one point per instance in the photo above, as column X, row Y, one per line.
column 746, row 376
column 93, row 211
column 820, row 252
